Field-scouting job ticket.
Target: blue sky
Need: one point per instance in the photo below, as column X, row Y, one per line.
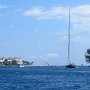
column 37, row 30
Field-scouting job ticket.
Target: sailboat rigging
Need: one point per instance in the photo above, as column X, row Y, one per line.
column 70, row 64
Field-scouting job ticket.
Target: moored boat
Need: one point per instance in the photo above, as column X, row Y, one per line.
column 70, row 64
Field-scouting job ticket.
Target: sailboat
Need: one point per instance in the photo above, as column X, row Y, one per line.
column 70, row 64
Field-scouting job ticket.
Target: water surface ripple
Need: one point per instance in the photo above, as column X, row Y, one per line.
column 44, row 78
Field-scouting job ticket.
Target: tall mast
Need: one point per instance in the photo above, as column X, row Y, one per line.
column 69, row 61
column 69, row 65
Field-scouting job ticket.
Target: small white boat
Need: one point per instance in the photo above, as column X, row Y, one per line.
column 21, row 65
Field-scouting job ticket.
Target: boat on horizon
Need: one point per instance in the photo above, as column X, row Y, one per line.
column 70, row 64
column 21, row 65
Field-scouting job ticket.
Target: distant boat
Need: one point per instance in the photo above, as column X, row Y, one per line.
column 21, row 65
column 70, row 64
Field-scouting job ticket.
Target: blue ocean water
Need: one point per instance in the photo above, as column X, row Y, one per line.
column 44, row 78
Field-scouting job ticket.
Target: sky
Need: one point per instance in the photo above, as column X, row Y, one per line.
column 37, row 30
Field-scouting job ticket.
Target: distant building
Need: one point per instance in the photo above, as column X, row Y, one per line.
column 13, row 61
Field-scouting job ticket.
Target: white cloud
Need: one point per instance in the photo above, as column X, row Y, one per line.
column 82, row 10
column 75, row 37
column 41, row 13
column 77, row 12
column 52, row 55
column 78, row 39
column 80, row 19
column 33, row 12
